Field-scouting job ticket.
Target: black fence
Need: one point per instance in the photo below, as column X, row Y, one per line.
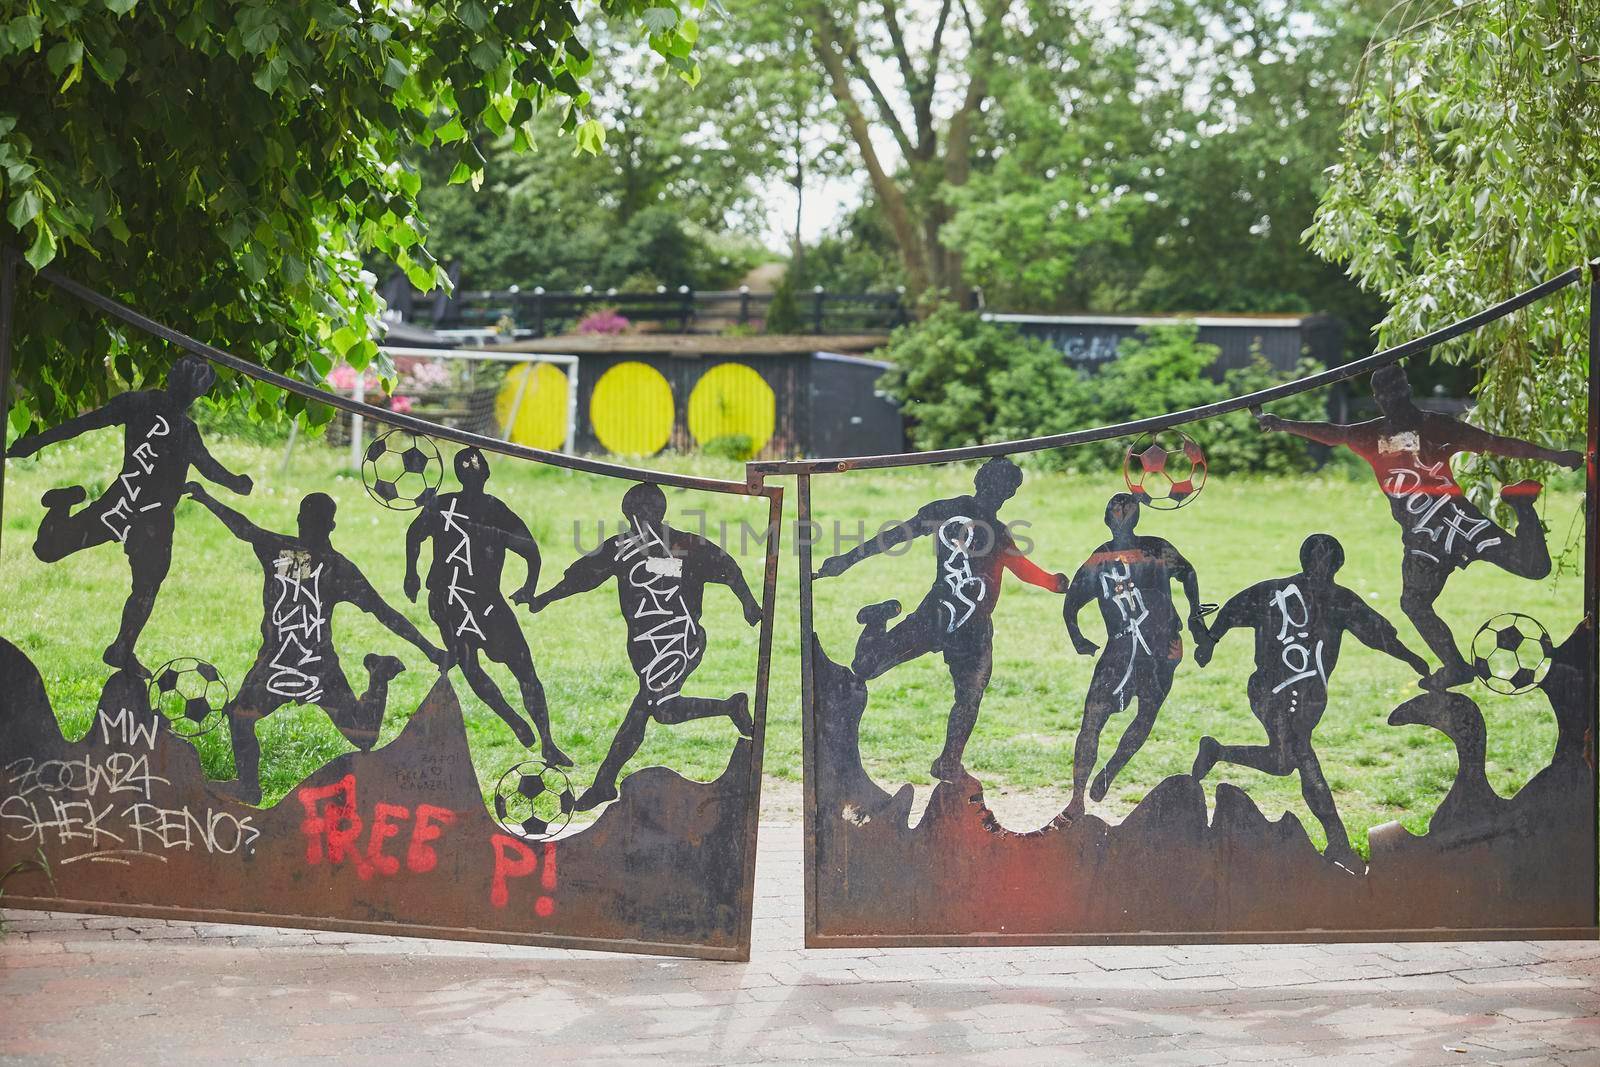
column 396, row 817
column 1194, row 847
column 539, row 313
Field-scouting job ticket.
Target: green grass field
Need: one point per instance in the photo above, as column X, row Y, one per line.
column 1240, row 530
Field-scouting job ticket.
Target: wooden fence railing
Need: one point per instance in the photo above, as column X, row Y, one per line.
column 537, row 312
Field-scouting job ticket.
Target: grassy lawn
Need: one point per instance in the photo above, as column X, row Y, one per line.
column 1240, row 530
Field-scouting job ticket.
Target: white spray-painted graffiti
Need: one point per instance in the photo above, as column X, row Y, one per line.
column 968, row 590
column 656, row 574
column 460, row 558
column 297, row 623
column 1429, row 493
column 107, row 809
column 119, row 517
column 1117, row 586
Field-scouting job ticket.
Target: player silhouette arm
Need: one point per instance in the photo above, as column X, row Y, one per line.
column 355, row 589
column 1013, row 560
column 1473, row 439
column 1181, row 569
column 1377, row 632
column 237, row 524
column 520, row 541
column 723, row 569
column 420, row 530
column 924, row 522
column 210, row 468
column 1323, row 433
column 109, row 414
column 1243, row 609
column 1080, row 591
column 586, row 573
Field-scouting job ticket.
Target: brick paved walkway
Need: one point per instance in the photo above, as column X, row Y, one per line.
column 83, row 989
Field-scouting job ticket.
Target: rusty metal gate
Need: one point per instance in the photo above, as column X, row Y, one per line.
column 1199, row 799
column 320, row 705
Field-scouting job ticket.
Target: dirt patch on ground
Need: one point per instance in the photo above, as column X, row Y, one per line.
column 783, row 801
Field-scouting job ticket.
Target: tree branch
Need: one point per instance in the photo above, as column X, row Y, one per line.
column 966, row 16
column 958, row 141
column 958, row 138
column 920, row 89
column 908, row 73
column 847, row 44
column 885, row 109
column 825, row 43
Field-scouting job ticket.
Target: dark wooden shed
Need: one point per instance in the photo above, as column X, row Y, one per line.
column 1088, row 340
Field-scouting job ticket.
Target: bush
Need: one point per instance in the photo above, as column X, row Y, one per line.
column 948, row 373
column 783, row 313
column 734, row 446
column 654, row 242
column 963, row 381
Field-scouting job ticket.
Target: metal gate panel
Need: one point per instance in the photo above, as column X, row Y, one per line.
column 1196, row 856
column 393, row 610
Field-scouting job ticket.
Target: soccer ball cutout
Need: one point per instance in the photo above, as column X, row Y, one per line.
column 1165, row 469
column 533, row 801
column 402, row 469
column 190, row 694
column 1511, row 653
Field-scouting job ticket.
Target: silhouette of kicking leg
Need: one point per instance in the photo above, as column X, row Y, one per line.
column 253, row 702
column 630, row 735
column 879, row 649
column 147, row 544
column 480, row 682
column 1289, row 717
column 520, row 660
column 359, row 719
column 1423, row 574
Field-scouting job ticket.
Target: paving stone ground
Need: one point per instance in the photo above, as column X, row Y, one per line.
column 83, row 989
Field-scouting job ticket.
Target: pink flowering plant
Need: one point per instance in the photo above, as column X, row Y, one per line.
column 604, row 321
column 344, row 379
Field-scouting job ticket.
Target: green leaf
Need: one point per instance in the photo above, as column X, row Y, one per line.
column 109, row 65
column 475, row 15
column 43, row 249
column 419, row 276
column 658, row 19
column 24, row 209
column 68, row 53
column 486, row 54
column 395, row 73
column 452, row 130
column 271, row 74
column 591, row 137
column 120, row 7
column 343, row 339
column 256, row 30
column 23, row 32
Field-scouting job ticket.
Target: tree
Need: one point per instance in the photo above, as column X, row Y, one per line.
column 664, row 198
column 1173, row 172
column 222, row 165
column 1470, row 170
column 964, row 44
column 787, row 103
